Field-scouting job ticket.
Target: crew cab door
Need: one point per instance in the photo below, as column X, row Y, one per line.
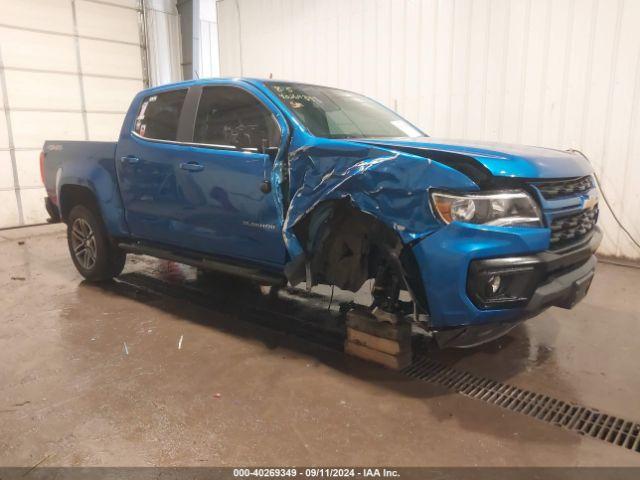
column 202, row 191
column 147, row 164
column 225, row 170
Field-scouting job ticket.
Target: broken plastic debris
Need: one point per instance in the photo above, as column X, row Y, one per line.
column 180, row 342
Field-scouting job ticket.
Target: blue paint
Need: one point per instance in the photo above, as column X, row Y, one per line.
column 506, row 160
column 391, row 186
column 444, row 259
column 220, row 209
column 96, row 172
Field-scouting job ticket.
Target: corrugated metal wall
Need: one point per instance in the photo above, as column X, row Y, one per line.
column 555, row 73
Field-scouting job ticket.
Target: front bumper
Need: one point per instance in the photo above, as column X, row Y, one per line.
column 447, row 258
column 566, row 289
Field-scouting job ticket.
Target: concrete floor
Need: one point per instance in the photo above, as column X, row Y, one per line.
column 120, row 375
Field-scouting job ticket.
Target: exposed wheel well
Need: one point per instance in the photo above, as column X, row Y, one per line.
column 345, row 246
column 72, row 195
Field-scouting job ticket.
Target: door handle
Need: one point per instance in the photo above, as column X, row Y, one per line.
column 191, row 166
column 129, row 159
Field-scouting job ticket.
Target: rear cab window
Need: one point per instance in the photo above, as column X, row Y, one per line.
column 159, row 115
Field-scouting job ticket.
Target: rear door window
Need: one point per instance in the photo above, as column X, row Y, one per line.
column 232, row 117
column 159, row 115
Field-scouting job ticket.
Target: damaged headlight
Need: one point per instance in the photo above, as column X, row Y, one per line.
column 507, row 208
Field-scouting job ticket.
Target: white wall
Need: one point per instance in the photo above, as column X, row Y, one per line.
column 209, row 64
column 68, row 70
column 556, row 73
column 163, row 41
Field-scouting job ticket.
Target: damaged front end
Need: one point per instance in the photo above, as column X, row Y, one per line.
column 415, row 213
column 354, row 213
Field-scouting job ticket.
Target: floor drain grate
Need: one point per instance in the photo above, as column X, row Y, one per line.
column 583, row 420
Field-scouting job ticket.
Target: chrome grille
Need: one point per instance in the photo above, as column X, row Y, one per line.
column 572, row 228
column 564, row 188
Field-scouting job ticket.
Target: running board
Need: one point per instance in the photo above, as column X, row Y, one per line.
column 255, row 274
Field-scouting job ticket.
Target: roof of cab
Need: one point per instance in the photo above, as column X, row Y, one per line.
column 204, row 81
column 209, row 80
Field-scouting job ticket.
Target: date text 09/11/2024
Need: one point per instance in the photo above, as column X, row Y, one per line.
column 326, row 472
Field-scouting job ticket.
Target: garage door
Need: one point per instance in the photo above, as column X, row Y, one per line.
column 68, row 70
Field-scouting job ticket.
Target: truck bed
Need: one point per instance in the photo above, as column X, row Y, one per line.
column 75, row 159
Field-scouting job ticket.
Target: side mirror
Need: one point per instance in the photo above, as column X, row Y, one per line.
column 265, row 186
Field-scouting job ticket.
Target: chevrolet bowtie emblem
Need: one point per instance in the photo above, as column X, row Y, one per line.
column 591, row 200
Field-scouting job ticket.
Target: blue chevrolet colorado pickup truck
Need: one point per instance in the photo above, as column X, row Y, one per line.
column 286, row 183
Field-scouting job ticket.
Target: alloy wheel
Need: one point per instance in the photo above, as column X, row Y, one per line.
column 83, row 242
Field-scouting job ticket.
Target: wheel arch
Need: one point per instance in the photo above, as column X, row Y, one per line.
column 335, row 222
column 72, row 195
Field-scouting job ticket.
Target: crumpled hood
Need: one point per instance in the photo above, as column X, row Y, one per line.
column 501, row 159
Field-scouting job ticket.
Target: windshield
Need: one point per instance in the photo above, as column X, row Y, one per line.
column 333, row 113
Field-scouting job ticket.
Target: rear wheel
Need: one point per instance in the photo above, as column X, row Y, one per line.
column 90, row 247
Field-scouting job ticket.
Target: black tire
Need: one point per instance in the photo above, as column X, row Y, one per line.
column 90, row 247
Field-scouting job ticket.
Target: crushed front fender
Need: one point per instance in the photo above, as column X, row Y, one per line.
column 391, row 186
